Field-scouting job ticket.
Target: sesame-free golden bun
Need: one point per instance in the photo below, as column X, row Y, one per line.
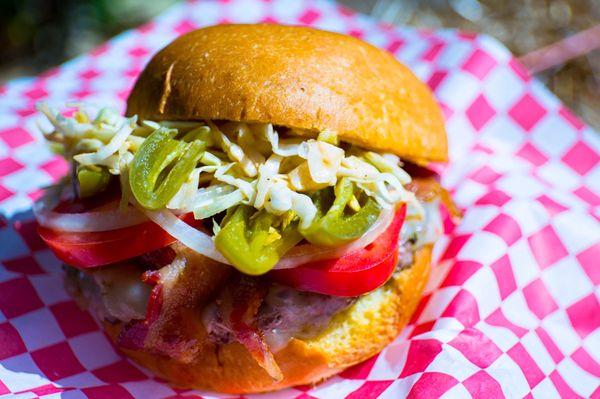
column 296, row 77
column 353, row 335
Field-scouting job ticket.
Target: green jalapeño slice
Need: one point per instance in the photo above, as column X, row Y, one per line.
column 336, row 225
column 161, row 166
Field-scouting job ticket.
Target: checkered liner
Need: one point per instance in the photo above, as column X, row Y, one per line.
column 512, row 308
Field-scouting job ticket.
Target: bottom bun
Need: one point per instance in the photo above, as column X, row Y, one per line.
column 353, row 335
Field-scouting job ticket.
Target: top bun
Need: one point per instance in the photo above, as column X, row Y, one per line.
column 295, row 77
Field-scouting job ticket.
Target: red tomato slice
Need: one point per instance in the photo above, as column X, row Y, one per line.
column 87, row 250
column 353, row 274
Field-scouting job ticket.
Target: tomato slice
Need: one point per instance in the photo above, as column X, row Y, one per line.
column 87, row 250
column 353, row 274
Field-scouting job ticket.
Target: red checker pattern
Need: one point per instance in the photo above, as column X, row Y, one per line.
column 9, row 166
column 421, row 353
column 530, row 153
column 494, row 197
column 11, row 343
column 538, row 299
column 122, row 371
column 370, row 390
column 454, row 247
column 36, row 93
column 499, row 319
column 18, row 297
column 531, row 370
column 433, row 52
column 57, row 361
column 564, row 390
column 3, row 388
column 505, row 276
column 583, row 315
column 56, row 168
column 27, row 230
column 589, row 261
column 15, row 137
column 476, row 347
column 394, row 45
column 460, row 273
column 586, row 362
column 588, row 196
column 550, row 345
column 309, row 17
column 546, row 247
column 473, row 305
column 479, row 64
column 480, row 112
column 553, row 207
column 485, row 175
column 581, row 158
column 436, row 78
column 5, row 193
column 482, row 386
column 72, row 320
column 107, row 392
column 183, row 27
column 360, row 371
column 25, row 265
column 432, row 385
column 527, row 112
column 572, row 119
column 506, row 227
column 48, row 390
column 463, row 308
column 89, row 74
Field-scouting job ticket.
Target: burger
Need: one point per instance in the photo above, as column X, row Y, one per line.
column 261, row 216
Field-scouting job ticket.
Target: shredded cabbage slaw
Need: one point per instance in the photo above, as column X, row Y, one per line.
column 250, row 164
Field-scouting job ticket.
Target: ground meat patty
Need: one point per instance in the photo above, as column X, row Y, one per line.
column 288, row 313
column 118, row 294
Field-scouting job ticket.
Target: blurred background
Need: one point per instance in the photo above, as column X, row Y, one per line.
column 38, row 34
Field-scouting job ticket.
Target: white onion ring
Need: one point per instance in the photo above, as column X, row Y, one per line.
column 302, row 254
column 202, row 243
column 85, row 222
column 192, row 238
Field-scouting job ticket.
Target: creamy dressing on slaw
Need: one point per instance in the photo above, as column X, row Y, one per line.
column 250, row 164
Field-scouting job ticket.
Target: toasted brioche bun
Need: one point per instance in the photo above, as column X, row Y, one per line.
column 353, row 335
column 294, row 77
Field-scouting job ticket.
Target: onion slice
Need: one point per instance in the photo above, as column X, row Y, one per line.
column 100, row 220
column 307, row 253
column 192, row 238
column 202, row 243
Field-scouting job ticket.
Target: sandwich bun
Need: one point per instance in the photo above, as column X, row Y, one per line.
column 295, row 77
column 353, row 335
column 308, row 80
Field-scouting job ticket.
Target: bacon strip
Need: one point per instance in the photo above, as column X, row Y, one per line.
column 239, row 304
column 428, row 187
column 188, row 281
column 134, row 334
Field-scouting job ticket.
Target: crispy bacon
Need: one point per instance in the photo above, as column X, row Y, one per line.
column 427, row 187
column 134, row 334
column 239, row 304
column 189, row 280
column 156, row 259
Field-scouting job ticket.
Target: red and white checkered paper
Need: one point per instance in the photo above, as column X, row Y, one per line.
column 512, row 308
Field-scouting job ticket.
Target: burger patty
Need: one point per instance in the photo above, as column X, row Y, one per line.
column 118, row 294
column 283, row 314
